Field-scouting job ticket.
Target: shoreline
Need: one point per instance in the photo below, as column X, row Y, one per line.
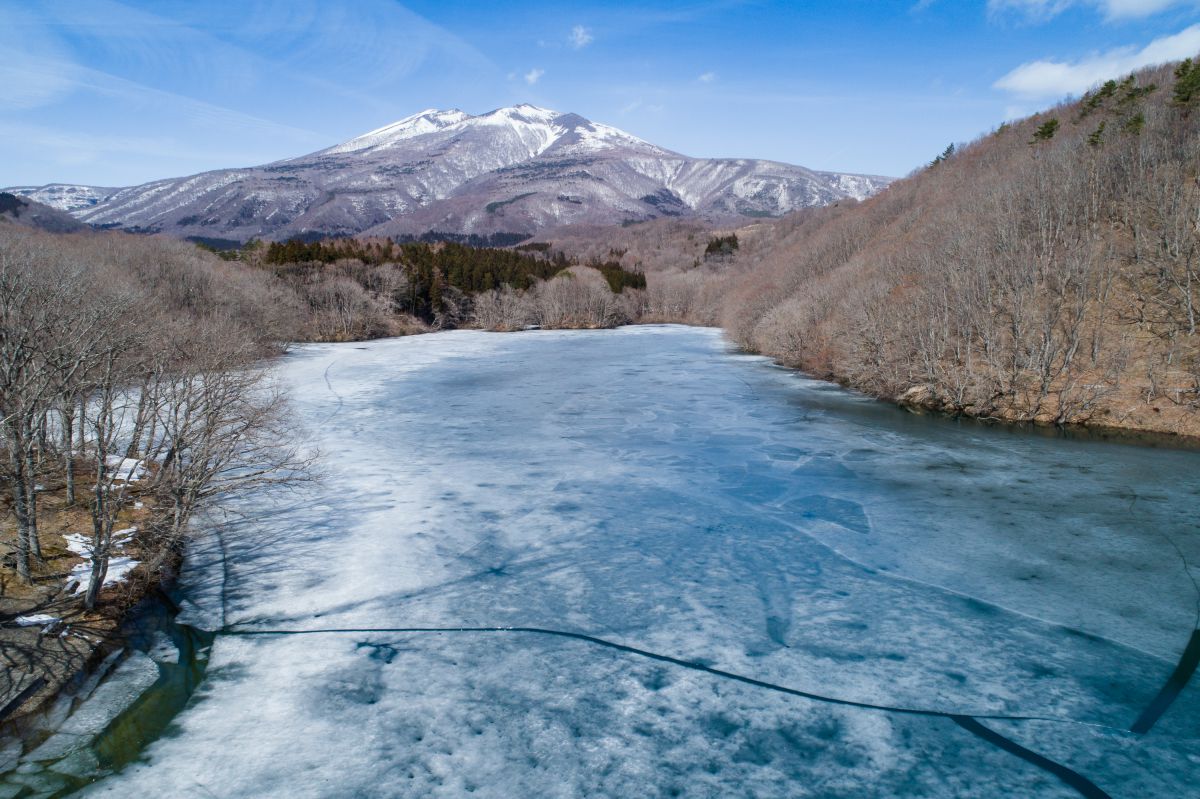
column 46, row 659
column 1127, row 434
column 925, row 401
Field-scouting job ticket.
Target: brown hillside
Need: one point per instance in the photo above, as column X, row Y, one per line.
column 1049, row 271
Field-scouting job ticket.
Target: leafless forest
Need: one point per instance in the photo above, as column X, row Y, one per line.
column 1048, row 271
column 129, row 375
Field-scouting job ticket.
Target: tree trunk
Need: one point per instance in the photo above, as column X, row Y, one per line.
column 68, row 455
column 139, row 425
column 99, row 573
column 17, row 468
column 31, row 527
column 101, row 532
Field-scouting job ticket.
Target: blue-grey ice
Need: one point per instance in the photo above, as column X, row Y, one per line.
column 652, row 488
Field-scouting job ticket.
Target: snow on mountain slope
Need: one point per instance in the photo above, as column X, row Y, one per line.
column 64, row 196
column 21, row 210
column 429, row 121
column 511, row 171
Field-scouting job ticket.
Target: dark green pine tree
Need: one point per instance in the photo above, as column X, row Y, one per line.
column 946, row 155
column 1187, row 82
column 1046, row 130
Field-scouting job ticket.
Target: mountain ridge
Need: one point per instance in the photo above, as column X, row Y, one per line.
column 510, row 172
column 16, row 209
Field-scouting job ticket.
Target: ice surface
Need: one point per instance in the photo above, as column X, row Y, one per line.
column 121, row 689
column 651, row 488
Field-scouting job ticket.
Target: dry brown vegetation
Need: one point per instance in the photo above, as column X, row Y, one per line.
column 1046, row 272
column 114, row 347
column 1049, row 271
column 685, row 282
column 577, row 298
column 131, row 390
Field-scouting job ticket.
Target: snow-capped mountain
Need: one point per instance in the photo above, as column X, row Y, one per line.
column 508, row 173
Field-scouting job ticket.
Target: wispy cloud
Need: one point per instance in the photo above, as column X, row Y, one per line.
column 67, row 77
column 580, row 37
column 1048, row 79
column 1040, row 10
column 643, row 106
column 707, row 77
column 534, row 75
column 69, row 148
column 243, row 74
column 25, row 84
column 230, row 51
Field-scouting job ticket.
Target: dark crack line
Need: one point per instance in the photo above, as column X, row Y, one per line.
column 1172, row 688
column 1188, row 659
column 328, row 384
column 21, row 698
column 968, row 722
column 1069, row 776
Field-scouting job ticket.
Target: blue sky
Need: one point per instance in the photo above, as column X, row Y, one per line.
column 118, row 93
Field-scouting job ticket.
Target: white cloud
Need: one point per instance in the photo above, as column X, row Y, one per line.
column 707, row 77
column 580, row 37
column 1042, row 79
column 1112, row 9
column 534, row 75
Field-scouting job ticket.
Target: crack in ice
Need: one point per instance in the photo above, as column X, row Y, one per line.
column 969, row 722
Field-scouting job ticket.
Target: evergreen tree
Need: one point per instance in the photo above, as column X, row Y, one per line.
column 1187, row 82
column 946, row 155
column 1046, row 130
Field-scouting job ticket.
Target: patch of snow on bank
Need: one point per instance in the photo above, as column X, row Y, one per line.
column 119, row 566
column 35, row 619
column 127, row 470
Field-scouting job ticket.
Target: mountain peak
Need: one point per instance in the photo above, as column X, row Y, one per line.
column 531, row 128
column 430, row 120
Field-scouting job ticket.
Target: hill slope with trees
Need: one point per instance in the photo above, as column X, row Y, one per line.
column 1049, row 271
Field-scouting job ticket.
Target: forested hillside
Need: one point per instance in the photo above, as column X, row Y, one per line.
column 1049, row 271
column 127, row 360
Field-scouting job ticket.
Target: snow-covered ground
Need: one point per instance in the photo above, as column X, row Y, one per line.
column 654, row 490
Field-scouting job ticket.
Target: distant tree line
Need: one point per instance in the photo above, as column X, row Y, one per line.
column 360, row 288
column 721, row 245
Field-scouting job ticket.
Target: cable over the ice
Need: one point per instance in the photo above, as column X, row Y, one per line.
column 969, row 722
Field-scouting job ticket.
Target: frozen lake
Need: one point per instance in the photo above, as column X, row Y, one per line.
column 735, row 543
